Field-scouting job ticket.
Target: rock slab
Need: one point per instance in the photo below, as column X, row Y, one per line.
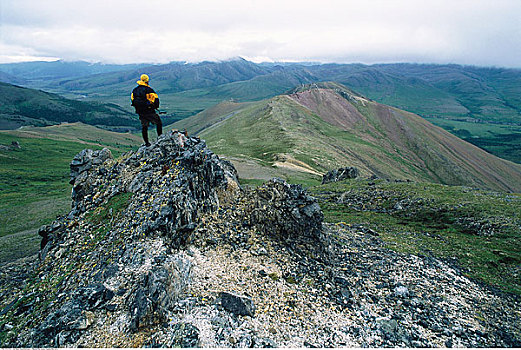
column 237, row 304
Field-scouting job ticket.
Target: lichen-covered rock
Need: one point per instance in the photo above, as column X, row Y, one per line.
column 171, row 183
column 285, row 211
column 158, row 293
column 184, row 335
column 340, row 174
column 87, row 159
column 115, row 251
column 64, row 325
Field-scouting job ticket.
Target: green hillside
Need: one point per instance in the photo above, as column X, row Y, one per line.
column 488, row 94
column 34, row 179
column 178, row 84
column 22, row 106
column 166, row 79
column 477, row 229
column 409, row 93
column 448, row 95
column 326, row 126
column 501, row 140
column 11, row 79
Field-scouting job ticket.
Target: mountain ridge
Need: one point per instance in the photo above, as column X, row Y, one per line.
column 425, row 82
column 479, row 104
column 327, row 126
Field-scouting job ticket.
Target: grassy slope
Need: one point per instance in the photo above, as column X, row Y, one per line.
column 480, row 229
column 208, row 117
column 22, row 106
column 34, row 179
column 468, row 101
column 443, row 104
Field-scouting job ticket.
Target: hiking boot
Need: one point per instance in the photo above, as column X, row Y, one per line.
column 146, row 144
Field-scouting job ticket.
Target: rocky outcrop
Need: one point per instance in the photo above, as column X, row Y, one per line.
column 128, row 216
column 286, row 211
column 121, row 249
column 163, row 248
column 87, row 159
column 340, row 174
column 237, row 304
column 64, row 325
column 15, row 145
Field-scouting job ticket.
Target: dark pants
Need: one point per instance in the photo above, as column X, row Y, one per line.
column 145, row 120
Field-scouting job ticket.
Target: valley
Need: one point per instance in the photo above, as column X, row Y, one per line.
column 29, row 107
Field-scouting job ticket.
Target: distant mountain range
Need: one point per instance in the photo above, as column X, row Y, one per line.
column 323, row 126
column 453, row 91
column 480, row 105
column 41, row 70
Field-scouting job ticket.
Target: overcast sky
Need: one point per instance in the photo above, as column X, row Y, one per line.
column 478, row 32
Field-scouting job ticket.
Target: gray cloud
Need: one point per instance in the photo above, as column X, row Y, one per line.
column 466, row 32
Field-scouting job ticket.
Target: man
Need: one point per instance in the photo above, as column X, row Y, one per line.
column 146, row 101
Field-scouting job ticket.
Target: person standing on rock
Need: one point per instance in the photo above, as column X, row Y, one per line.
column 145, row 101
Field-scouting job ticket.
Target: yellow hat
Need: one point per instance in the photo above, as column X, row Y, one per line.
column 144, row 78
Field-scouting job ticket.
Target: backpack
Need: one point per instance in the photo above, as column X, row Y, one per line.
column 140, row 101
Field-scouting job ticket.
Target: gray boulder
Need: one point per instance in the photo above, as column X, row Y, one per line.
column 237, row 304
column 286, row 211
column 340, row 174
column 86, row 160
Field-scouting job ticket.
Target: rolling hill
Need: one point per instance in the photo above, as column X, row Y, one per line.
column 182, row 87
column 165, row 78
column 22, row 106
column 478, row 104
column 319, row 127
column 452, row 91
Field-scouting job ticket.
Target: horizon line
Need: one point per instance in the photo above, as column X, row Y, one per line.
column 249, row 59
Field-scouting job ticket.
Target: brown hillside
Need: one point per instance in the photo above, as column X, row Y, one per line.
column 445, row 157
